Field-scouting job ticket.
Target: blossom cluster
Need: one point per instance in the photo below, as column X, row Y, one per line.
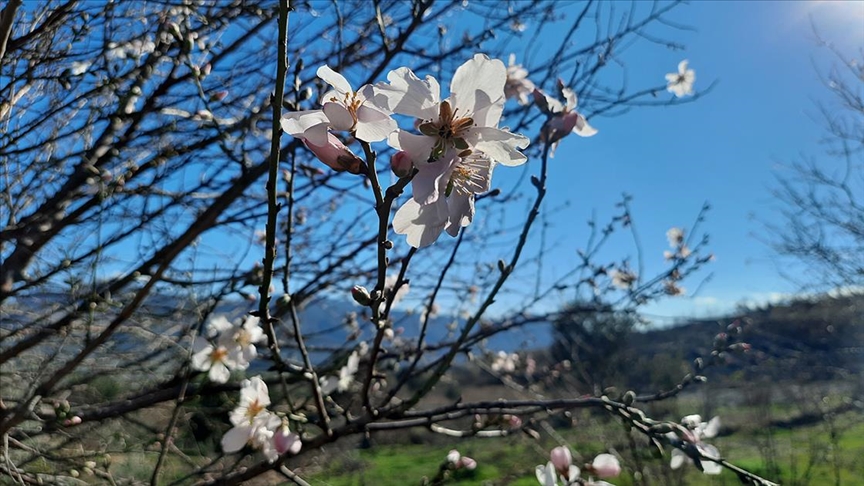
column 690, row 434
column 227, row 347
column 561, row 468
column 450, row 154
column 258, row 427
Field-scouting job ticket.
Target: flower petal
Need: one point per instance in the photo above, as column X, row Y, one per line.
column 334, row 79
column 678, row 459
column 309, row 125
column 339, row 116
column 236, row 438
column 546, row 475
column 479, row 79
column 373, row 125
column 409, row 95
column 421, row 224
column 499, row 144
column 461, row 209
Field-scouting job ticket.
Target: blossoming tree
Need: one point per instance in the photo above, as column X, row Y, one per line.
column 147, row 148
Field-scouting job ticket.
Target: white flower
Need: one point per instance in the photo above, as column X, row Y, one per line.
column 518, row 86
column 346, row 376
column 423, row 223
column 564, row 119
column 675, row 236
column 623, row 279
column 253, row 423
column 240, row 341
column 681, row 83
column 352, row 111
column 468, row 120
column 216, row 360
column 505, row 362
column 694, row 431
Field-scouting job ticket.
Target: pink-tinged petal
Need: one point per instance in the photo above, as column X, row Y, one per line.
column 479, row 81
column 546, row 475
column 339, row 116
column 606, row 466
column 334, row 79
column 373, row 125
column 678, row 459
column 236, row 438
column 499, row 145
column 561, row 458
column 453, row 456
column 409, row 95
column 309, row 125
column 286, row 441
column 421, row 225
column 335, row 155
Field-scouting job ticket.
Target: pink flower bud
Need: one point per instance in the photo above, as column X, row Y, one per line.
column 453, row 457
column 606, row 466
column 286, row 441
column 515, row 421
column 72, row 421
column 336, row 155
column 219, row 95
column 561, row 459
column 468, row 463
column 401, row 164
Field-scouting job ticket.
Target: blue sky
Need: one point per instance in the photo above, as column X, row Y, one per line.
column 722, row 149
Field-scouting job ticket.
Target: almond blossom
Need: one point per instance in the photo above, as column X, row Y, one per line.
column 312, row 127
column 560, row 466
column 518, row 86
column 681, row 83
column 450, row 128
column 564, row 119
column 344, row 109
column 240, row 341
column 422, row 224
column 345, row 378
column 250, row 417
column 692, row 432
column 216, row 360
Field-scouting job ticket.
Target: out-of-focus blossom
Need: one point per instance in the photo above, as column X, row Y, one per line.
column 675, row 236
column 561, row 458
column 79, row 67
column 623, row 279
column 681, row 83
column 286, row 441
column 692, row 432
column 605, row 466
column 346, row 376
column 216, row 360
column 518, row 86
column 564, row 119
column 253, row 423
column 505, row 362
column 458, row 461
column 241, row 340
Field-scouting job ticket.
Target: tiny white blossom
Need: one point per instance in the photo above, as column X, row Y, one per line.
column 681, row 83
column 215, row 360
column 518, row 86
